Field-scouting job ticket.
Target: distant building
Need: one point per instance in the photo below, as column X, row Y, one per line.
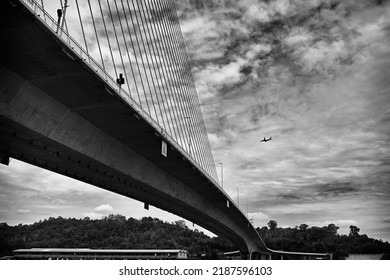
column 97, row 254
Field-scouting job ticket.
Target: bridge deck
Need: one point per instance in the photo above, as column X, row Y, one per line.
column 49, row 94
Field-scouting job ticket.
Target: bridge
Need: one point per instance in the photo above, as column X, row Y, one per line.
column 114, row 106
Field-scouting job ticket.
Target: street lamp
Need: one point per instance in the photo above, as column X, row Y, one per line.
column 221, row 163
column 189, row 134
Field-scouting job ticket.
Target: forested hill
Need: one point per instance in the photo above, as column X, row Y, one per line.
column 322, row 240
column 112, row 232
column 118, row 232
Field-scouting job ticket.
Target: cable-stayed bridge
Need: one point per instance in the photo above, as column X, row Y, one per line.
column 102, row 91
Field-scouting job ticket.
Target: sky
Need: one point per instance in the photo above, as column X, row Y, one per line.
column 313, row 75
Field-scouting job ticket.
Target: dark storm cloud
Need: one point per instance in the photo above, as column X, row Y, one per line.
column 307, row 194
column 11, row 187
column 290, row 197
column 335, row 190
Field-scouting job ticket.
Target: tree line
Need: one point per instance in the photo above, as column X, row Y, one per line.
column 110, row 232
column 118, row 232
column 321, row 240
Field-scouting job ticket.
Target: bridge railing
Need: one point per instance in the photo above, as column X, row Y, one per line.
column 81, row 53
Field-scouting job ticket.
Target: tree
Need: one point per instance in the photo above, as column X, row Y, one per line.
column 272, row 225
column 332, row 229
column 181, row 224
column 263, row 232
column 354, row 231
column 303, row 227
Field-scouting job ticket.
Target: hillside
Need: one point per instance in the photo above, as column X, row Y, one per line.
column 118, row 232
column 322, row 240
column 112, row 232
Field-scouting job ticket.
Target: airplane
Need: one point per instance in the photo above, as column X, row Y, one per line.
column 266, row 140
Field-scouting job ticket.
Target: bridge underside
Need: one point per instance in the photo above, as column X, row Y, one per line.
column 56, row 113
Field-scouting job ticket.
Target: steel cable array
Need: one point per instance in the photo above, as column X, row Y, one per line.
column 142, row 40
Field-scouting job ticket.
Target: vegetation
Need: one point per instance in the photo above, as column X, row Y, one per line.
column 118, row 232
column 321, row 240
column 112, row 232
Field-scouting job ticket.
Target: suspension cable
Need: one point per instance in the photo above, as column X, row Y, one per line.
column 117, row 41
column 82, row 27
column 108, row 38
column 96, row 34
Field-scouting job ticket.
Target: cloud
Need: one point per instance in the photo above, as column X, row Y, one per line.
column 298, row 36
column 23, row 211
column 386, row 219
column 210, row 46
column 336, row 190
column 216, row 77
column 99, row 211
column 259, row 218
column 29, row 194
column 255, row 11
column 323, row 56
column 105, row 208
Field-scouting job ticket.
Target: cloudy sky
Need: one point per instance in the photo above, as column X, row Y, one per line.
column 313, row 75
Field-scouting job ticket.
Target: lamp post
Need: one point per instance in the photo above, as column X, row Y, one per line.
column 189, row 134
column 221, row 163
